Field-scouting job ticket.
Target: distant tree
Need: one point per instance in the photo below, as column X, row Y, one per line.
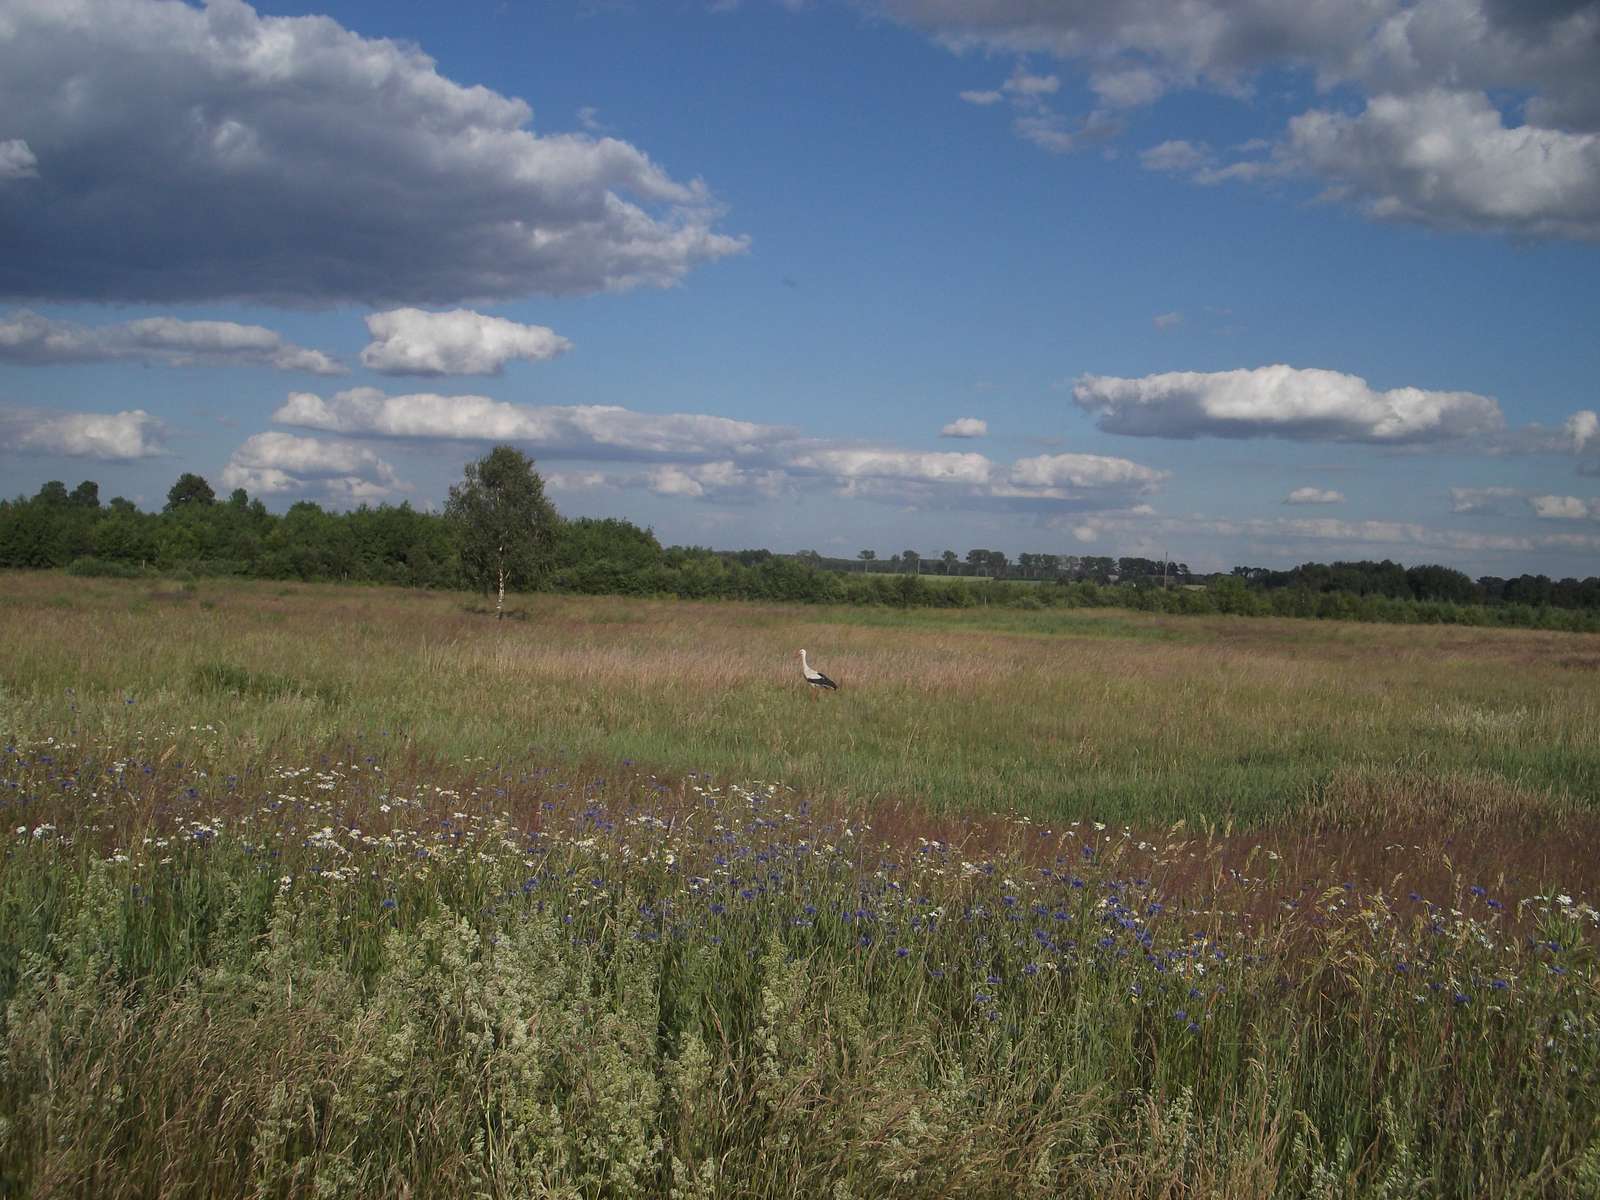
column 911, row 561
column 950, row 559
column 53, row 495
column 85, row 495
column 866, row 556
column 239, row 498
column 503, row 522
column 190, row 489
column 122, row 504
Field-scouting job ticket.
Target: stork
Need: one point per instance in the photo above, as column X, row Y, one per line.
column 818, row 681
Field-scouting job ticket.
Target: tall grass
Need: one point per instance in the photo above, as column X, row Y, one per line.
column 358, row 974
column 1054, row 713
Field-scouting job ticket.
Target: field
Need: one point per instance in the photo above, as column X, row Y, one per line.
column 347, row 891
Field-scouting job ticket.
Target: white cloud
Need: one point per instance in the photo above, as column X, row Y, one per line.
column 715, row 480
column 965, row 427
column 589, row 430
column 1177, row 155
column 273, row 464
column 1430, row 146
column 910, row 465
column 112, row 437
column 409, row 341
column 982, row 99
column 1167, row 320
column 1581, row 427
column 1084, row 471
column 1311, row 495
column 1563, row 508
column 17, row 160
column 1281, row 401
column 575, row 481
column 1485, row 501
column 32, row 340
column 193, row 154
column 1022, row 83
column 1447, row 159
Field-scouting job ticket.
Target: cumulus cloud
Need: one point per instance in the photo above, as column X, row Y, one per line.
column 1485, row 501
column 1430, row 145
column 1447, row 159
column 410, row 341
column 32, row 340
column 1280, row 401
column 910, row 465
column 1167, row 320
column 1052, row 482
column 17, row 160
column 276, row 464
column 700, row 456
column 965, row 427
column 716, row 481
column 111, row 437
column 1311, row 495
column 188, row 153
column 594, row 430
column 1581, row 427
column 1564, row 508
column 1084, row 471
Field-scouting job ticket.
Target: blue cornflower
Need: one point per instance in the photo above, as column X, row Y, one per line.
column 982, row 998
column 901, row 952
column 1031, row 969
column 1476, row 890
column 1461, row 998
column 1500, row 985
column 391, row 903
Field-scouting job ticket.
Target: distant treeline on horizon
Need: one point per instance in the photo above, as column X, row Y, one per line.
column 196, row 534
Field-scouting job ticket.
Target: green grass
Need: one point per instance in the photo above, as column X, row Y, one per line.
column 1056, row 713
column 324, row 891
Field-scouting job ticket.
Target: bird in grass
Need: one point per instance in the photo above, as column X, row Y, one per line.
column 818, row 681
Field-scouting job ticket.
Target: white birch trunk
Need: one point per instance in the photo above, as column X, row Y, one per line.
column 500, row 601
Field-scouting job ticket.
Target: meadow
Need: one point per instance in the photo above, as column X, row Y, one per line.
column 319, row 891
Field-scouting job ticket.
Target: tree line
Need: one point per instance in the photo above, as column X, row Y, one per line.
column 499, row 533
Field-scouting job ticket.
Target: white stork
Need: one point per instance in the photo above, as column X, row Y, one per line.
column 818, row 681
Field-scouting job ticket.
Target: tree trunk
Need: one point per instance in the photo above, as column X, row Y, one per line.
column 500, row 600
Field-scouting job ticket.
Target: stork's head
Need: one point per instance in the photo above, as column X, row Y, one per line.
column 799, row 653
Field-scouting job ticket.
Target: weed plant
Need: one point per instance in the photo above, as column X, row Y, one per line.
column 361, row 974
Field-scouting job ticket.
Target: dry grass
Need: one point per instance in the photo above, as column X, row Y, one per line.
column 1065, row 714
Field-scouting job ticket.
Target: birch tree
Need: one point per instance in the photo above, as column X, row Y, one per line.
column 504, row 523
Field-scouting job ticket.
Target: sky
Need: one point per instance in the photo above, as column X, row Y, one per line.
column 1239, row 281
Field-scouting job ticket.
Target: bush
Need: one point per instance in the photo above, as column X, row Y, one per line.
column 89, row 567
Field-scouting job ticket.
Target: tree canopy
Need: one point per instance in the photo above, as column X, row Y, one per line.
column 503, row 522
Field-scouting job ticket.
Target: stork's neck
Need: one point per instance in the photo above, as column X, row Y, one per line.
column 804, row 665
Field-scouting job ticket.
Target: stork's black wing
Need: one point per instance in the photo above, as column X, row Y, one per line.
column 822, row 681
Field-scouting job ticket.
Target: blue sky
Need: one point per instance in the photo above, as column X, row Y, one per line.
column 1276, row 282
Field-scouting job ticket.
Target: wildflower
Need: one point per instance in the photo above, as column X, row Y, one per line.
column 390, row 903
